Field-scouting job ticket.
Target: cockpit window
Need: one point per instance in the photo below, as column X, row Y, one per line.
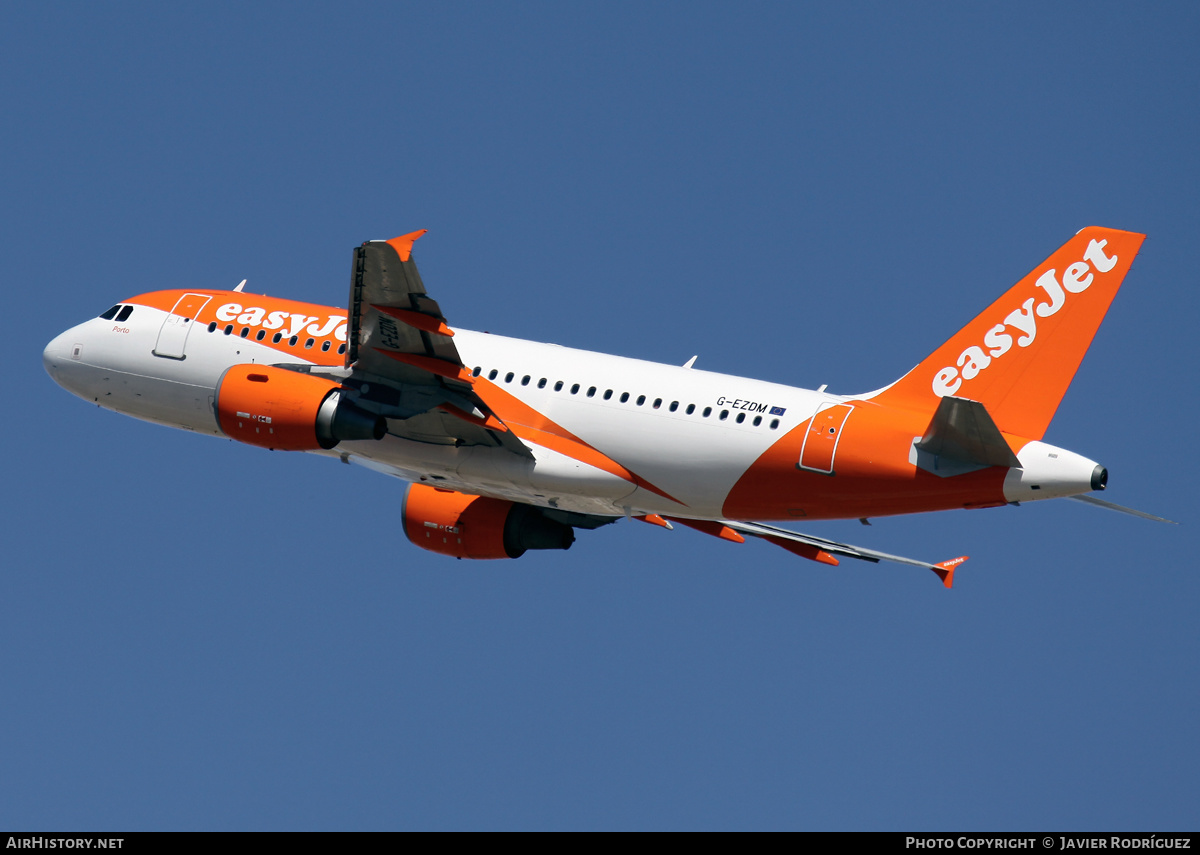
column 111, row 313
column 125, row 313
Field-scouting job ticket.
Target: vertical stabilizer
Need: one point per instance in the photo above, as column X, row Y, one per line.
column 1019, row 355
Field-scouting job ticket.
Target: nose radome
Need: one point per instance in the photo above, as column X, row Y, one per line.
column 57, row 354
column 50, row 357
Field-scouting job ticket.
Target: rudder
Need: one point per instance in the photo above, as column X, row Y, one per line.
column 1020, row 354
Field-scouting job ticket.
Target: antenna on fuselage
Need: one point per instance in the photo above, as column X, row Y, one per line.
column 241, row 285
column 690, row 362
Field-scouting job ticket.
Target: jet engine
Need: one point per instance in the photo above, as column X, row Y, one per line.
column 289, row 411
column 453, row 523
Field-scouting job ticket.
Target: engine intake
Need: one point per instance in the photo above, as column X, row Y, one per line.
column 453, row 523
column 286, row 410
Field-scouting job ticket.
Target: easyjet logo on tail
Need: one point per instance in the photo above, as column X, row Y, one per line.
column 1022, row 322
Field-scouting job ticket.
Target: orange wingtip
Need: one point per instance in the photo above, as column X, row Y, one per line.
column 946, row 569
column 403, row 244
column 420, row 321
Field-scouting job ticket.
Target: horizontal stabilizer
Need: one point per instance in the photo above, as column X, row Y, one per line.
column 962, row 430
column 1113, row 506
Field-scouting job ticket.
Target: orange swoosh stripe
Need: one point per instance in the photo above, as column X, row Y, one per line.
column 527, row 423
column 441, row 367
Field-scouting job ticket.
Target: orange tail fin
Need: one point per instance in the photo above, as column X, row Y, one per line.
column 1018, row 357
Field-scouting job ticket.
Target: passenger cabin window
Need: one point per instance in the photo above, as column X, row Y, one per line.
column 263, row 334
column 757, row 421
column 724, row 415
column 525, row 380
column 607, row 394
column 125, row 313
column 674, row 406
column 492, row 374
column 278, row 337
column 574, row 388
column 657, row 403
column 245, row 332
column 641, row 400
column 212, row 327
column 741, row 417
column 624, row 397
column 111, row 313
column 309, row 344
column 591, row 393
column 341, row 348
column 229, row 329
column 508, row 378
column 774, row 424
column 691, row 408
column 558, row 386
column 475, row 372
column 542, row 383
column 707, row 412
column 292, row 341
column 325, row 345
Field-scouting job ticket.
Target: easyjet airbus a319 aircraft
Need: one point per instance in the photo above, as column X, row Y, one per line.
column 510, row 445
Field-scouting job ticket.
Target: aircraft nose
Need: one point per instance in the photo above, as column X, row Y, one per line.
column 51, row 357
column 58, row 356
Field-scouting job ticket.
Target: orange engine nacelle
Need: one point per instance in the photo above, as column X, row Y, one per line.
column 286, row 410
column 453, row 523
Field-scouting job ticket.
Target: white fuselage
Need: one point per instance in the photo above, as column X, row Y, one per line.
column 689, row 432
column 629, row 437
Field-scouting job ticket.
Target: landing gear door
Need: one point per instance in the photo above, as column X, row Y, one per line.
column 822, row 437
column 173, row 336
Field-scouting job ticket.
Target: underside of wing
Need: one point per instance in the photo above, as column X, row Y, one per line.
column 402, row 362
column 814, row 548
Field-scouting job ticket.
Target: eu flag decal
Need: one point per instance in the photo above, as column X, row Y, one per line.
column 778, row 411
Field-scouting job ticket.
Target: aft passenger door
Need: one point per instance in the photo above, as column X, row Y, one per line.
column 172, row 337
column 822, row 437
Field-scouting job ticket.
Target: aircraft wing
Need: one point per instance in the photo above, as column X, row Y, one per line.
column 401, row 356
column 814, row 548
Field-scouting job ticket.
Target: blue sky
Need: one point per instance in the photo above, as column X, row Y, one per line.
column 196, row 634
